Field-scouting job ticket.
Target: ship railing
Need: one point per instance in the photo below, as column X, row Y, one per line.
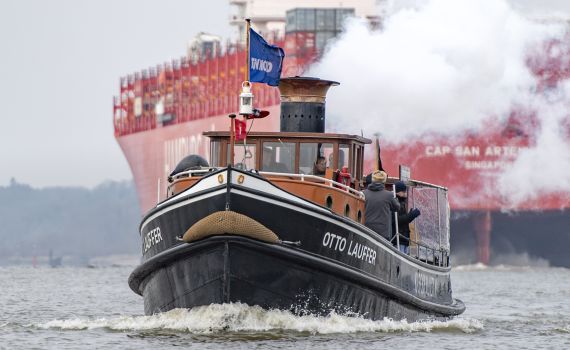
column 315, row 178
column 199, row 171
column 425, row 253
column 303, row 177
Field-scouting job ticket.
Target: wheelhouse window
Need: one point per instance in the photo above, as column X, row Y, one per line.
column 278, row 157
column 357, row 160
column 215, row 152
column 343, row 155
column 244, row 156
column 315, row 158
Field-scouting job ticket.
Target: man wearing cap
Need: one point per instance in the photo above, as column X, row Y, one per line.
column 404, row 218
column 379, row 206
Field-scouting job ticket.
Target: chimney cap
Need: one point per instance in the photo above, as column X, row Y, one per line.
column 315, row 80
column 304, row 89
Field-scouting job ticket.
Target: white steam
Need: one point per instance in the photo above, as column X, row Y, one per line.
column 544, row 169
column 446, row 67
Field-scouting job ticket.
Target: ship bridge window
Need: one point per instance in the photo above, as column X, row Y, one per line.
column 343, row 155
column 215, row 152
column 278, row 157
column 244, row 156
column 314, row 158
column 357, row 159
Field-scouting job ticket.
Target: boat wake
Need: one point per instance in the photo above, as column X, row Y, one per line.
column 504, row 267
column 472, row 267
column 238, row 317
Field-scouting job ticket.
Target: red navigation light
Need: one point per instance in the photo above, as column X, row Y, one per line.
column 257, row 114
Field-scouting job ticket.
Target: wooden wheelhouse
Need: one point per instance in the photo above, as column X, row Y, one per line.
column 289, row 160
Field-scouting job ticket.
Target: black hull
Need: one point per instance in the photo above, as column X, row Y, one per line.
column 314, row 277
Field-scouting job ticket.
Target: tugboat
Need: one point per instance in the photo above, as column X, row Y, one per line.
column 276, row 219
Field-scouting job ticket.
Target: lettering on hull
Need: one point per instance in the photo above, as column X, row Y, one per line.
column 151, row 239
column 351, row 248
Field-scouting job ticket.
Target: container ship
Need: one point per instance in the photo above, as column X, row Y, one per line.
column 161, row 113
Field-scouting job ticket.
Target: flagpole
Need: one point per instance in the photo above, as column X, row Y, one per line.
column 247, row 53
column 376, row 153
column 232, row 138
column 248, row 58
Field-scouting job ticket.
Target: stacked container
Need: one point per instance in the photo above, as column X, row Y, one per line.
column 309, row 30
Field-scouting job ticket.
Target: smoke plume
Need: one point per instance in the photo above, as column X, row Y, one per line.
column 446, row 67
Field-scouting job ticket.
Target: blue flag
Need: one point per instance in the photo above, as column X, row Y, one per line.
column 266, row 60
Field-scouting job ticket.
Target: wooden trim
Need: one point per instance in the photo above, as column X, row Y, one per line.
column 289, row 135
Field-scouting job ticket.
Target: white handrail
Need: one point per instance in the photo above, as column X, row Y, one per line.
column 329, row 182
column 188, row 173
column 422, row 183
column 303, row 177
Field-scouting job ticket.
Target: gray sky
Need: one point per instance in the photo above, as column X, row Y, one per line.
column 60, row 63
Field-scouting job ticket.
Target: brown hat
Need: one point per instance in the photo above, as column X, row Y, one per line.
column 379, row 176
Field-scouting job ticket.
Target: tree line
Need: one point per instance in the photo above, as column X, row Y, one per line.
column 70, row 221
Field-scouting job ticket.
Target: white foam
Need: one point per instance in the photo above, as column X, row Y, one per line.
column 238, row 317
column 505, row 267
column 472, row 267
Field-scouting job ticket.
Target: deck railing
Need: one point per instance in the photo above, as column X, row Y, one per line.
column 315, row 178
column 302, row 177
column 425, row 253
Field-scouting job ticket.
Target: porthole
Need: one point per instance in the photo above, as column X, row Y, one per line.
column 347, row 210
column 359, row 216
column 329, row 202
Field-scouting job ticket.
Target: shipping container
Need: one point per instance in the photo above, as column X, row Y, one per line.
column 341, row 16
column 310, row 19
column 300, row 44
column 323, row 38
column 300, row 19
column 325, row 20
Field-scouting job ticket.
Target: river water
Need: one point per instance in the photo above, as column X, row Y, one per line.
column 93, row 308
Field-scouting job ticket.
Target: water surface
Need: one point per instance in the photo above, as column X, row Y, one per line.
column 93, row 308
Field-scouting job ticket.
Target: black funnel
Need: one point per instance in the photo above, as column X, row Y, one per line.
column 303, row 103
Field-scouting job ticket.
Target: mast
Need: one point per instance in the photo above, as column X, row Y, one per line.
column 247, row 53
column 245, row 97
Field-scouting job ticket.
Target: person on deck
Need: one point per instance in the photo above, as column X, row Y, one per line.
column 379, row 205
column 320, row 167
column 404, row 218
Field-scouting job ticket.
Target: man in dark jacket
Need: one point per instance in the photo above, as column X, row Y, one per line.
column 404, row 218
column 379, row 206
